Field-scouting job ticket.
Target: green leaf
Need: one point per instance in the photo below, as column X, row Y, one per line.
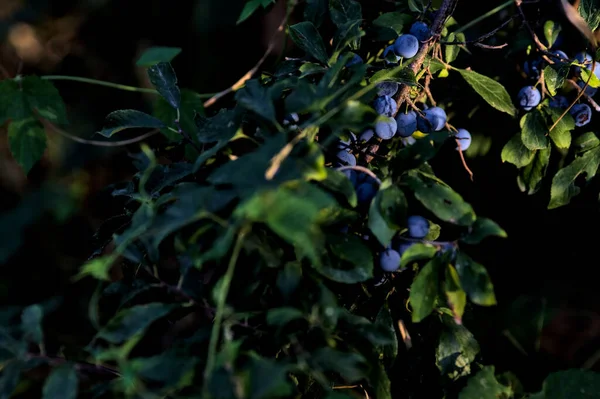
column 586, row 74
column 386, row 210
column 515, row 152
column 398, row 74
column 425, row 290
column 395, row 21
column 456, row 350
column 347, row 34
column 250, row 7
column 452, row 50
column 554, row 76
column 353, row 261
column 563, row 184
column 484, row 385
column 491, row 91
column 338, row 182
column 292, row 211
column 98, row 268
column 163, row 78
column 442, row 201
column 530, row 177
column 533, row 130
column 156, row 54
column 343, row 11
column 282, row 316
column 128, row 119
column 221, row 127
column 268, row 379
column 132, row 321
column 170, row 368
column 561, row 134
column 482, row 228
column 62, row 383
column 30, row 94
column 475, row 280
column 384, row 320
column 551, row 31
column 417, row 251
column 31, row 323
column 416, row 6
column 307, row 37
column 27, row 142
column 191, row 103
column 350, row 365
column 586, row 142
column 9, row 378
column 455, row 295
column 572, row 384
column 254, row 97
column 589, row 11
column 315, row 11
column 417, row 154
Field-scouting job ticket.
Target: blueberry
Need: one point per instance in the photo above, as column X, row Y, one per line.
column 407, row 123
column 529, row 97
column 389, row 260
column 366, row 192
column 387, row 88
column 582, row 113
column 291, row 120
column 367, row 135
column 386, row 129
column 590, row 91
column 355, row 60
column 385, row 105
column 583, row 58
column 435, row 119
column 352, row 175
column 406, row 46
column 346, row 159
column 561, row 57
column 532, row 67
column 403, row 246
column 464, row 139
column 559, row 102
column 420, row 30
column 418, row 226
column 389, row 55
column 408, row 141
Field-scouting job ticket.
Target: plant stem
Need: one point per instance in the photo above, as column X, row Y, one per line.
column 100, row 83
column 110, row 84
column 221, row 300
column 484, row 16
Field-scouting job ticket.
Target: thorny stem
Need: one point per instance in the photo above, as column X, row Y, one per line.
column 221, row 301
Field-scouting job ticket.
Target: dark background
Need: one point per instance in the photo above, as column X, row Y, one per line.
column 548, row 260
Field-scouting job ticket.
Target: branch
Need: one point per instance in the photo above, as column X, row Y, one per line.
column 248, row 75
column 587, row 97
column 477, row 42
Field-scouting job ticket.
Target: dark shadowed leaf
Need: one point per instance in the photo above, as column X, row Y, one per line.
column 169, row 368
column 395, row 20
column 268, row 379
column 9, row 378
column 127, row 119
column 484, row 385
column 220, row 127
column 191, row 103
column 384, row 320
column 589, row 11
column 351, row 366
column 62, row 383
column 455, row 295
column 533, row 130
column 282, row 316
column 250, row 7
column 315, row 11
column 163, row 78
column 387, row 209
column 491, row 91
column 482, row 228
column 456, row 350
column 530, row 177
column 515, row 152
column 20, row 100
column 475, row 280
column 425, row 290
column 398, row 74
column 132, row 321
column 307, row 37
column 343, row 11
column 27, row 142
column 353, row 260
column 586, row 142
column 31, row 323
column 563, row 184
column 154, row 55
column 254, row 97
column 572, row 384
column 444, row 202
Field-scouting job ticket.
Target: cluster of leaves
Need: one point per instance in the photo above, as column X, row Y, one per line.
column 234, row 256
column 549, row 126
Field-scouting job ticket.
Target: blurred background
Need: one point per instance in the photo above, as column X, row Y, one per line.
column 544, row 272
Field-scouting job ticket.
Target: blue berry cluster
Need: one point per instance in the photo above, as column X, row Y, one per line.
column 529, row 97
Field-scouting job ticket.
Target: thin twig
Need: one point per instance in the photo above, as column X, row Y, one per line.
column 462, row 158
column 361, row 169
column 97, row 143
column 248, row 75
column 589, row 99
column 481, row 38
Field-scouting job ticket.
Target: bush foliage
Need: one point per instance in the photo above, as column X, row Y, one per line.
column 250, row 267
